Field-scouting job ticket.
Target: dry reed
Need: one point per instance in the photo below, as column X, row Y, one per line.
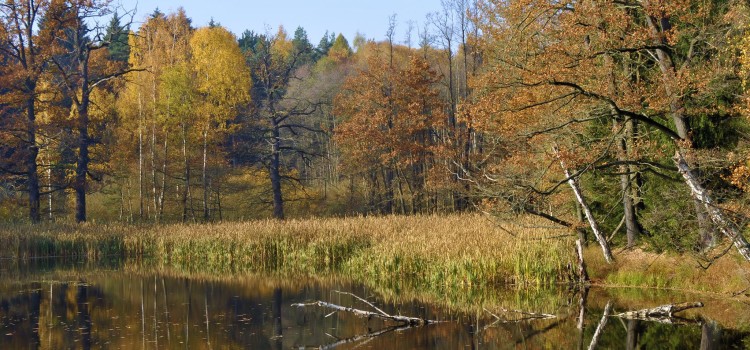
column 436, row 251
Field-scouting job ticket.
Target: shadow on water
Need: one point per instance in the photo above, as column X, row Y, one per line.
column 56, row 304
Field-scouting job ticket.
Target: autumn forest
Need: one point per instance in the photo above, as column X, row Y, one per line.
column 625, row 122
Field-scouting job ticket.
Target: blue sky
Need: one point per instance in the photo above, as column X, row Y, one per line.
column 316, row 16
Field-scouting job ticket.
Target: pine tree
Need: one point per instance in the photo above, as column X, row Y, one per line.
column 302, row 45
column 117, row 35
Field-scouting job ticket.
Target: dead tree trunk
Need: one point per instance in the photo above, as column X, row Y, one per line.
column 586, row 209
column 728, row 228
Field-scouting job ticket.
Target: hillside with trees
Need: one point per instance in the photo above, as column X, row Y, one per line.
column 624, row 121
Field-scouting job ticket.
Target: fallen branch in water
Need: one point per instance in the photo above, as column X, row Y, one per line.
column 659, row 311
column 527, row 316
column 405, row 320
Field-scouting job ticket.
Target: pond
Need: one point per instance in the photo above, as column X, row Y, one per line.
column 55, row 304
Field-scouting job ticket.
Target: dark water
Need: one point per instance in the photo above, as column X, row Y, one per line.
column 47, row 304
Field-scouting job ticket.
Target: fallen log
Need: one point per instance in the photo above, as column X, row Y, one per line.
column 660, row 311
column 404, row 320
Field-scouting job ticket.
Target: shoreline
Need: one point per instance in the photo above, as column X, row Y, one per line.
column 435, row 252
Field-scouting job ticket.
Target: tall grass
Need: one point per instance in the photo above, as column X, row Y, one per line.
column 436, row 251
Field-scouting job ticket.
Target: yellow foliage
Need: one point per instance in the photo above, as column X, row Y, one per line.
column 221, row 75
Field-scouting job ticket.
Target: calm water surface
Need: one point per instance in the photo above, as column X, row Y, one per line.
column 49, row 304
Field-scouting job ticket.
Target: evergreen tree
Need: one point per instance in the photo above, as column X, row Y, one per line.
column 247, row 42
column 325, row 44
column 302, row 45
column 157, row 13
column 117, row 35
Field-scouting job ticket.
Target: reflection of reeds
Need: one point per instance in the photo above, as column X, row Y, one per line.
column 458, row 250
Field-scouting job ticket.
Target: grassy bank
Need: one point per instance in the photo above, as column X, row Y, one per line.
column 439, row 251
column 445, row 253
column 728, row 275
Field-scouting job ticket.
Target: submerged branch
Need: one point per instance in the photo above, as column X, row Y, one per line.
column 662, row 311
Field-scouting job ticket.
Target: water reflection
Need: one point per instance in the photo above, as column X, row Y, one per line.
column 84, row 306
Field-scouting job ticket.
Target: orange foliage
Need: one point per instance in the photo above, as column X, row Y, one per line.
column 392, row 114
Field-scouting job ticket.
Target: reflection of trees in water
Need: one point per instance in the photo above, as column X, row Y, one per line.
column 83, row 317
column 130, row 311
column 710, row 335
column 674, row 333
column 276, row 313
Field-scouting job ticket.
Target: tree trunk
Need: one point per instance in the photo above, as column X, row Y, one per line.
column 186, row 187
column 49, row 187
column 401, row 200
column 275, row 171
column 374, row 191
column 140, row 156
column 582, row 234
column 676, row 104
column 204, row 176
column 218, row 202
column 636, row 178
column 583, row 275
column 82, row 167
column 160, row 212
column 706, row 236
column 388, row 184
column 31, row 166
column 130, row 204
column 586, row 210
column 700, row 194
column 632, row 228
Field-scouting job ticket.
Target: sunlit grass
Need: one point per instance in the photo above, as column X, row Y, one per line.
column 436, row 251
column 727, row 275
column 443, row 254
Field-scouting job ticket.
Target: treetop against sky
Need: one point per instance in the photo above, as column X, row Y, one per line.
column 369, row 17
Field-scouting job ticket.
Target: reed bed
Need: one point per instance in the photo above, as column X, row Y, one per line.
column 442, row 252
